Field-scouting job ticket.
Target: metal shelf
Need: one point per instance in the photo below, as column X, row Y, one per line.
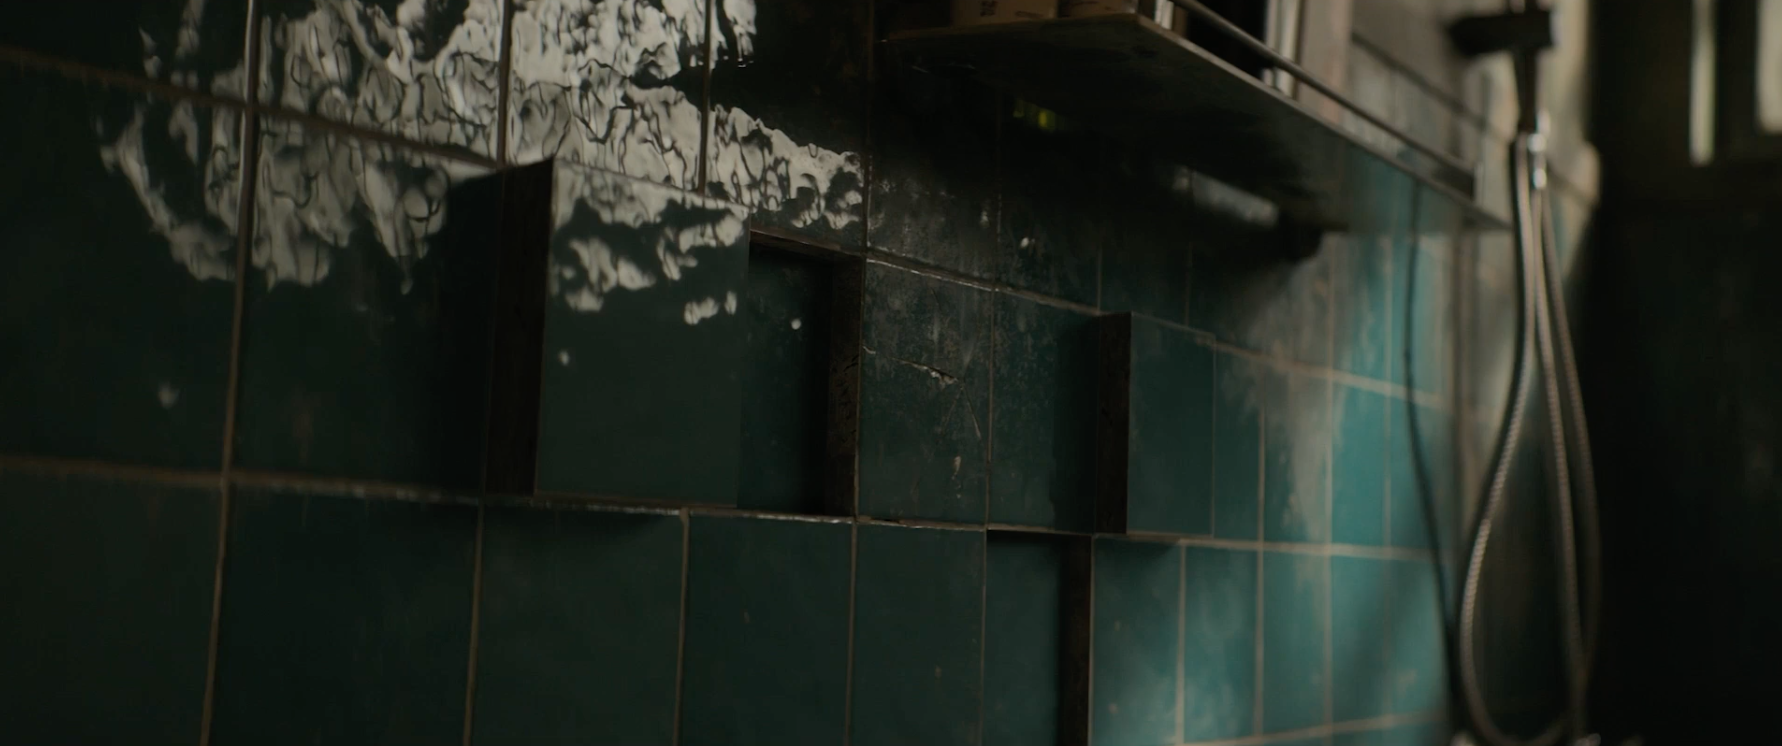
column 1127, row 76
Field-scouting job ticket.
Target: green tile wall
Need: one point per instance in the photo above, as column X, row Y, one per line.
column 369, row 592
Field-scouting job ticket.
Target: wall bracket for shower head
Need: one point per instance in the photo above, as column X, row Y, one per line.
column 1529, row 30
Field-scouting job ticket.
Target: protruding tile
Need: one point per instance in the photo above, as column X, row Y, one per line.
column 615, row 85
column 1054, row 224
column 924, row 397
column 1023, row 630
column 1237, row 447
column 369, row 307
column 1361, row 629
column 192, row 45
column 767, row 632
column 643, row 347
column 1156, row 448
column 1219, row 639
column 1358, row 468
column 785, row 381
column 1295, row 606
column 934, row 187
column 1042, row 463
column 344, row 621
column 1296, row 483
column 108, row 613
column 580, row 623
column 429, row 75
column 117, row 260
column 1137, row 597
column 918, row 632
column 788, row 120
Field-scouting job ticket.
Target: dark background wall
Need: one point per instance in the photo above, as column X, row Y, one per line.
column 1684, row 364
column 242, row 391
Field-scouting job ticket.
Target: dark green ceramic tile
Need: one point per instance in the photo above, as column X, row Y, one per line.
column 107, row 619
column 1360, row 632
column 785, row 382
column 429, row 77
column 116, row 255
column 1246, row 294
column 1022, row 629
column 642, row 344
column 193, row 45
column 918, row 624
column 934, row 186
column 345, row 621
column 1358, row 467
column 1295, row 609
column 365, row 350
column 580, row 625
column 1313, row 741
column 1138, row 590
column 624, row 96
column 1170, row 432
column 1054, row 226
column 1412, row 492
column 1042, row 463
column 1416, row 734
column 1296, row 484
column 767, row 632
column 788, row 119
column 1418, row 673
column 1426, row 287
column 1219, row 655
column 924, row 397
column 1237, row 447
column 1145, row 262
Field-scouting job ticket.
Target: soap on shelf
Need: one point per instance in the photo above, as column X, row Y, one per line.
column 976, row 12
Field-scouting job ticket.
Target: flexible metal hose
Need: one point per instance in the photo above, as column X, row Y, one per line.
column 1539, row 285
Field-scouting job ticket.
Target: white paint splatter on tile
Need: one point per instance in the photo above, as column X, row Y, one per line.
column 563, row 357
column 797, row 324
column 167, row 395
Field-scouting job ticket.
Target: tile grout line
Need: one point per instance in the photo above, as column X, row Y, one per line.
column 250, row 152
column 700, row 171
column 680, row 645
column 476, row 609
column 504, row 68
column 1261, row 491
column 136, row 84
column 853, row 594
column 1181, row 642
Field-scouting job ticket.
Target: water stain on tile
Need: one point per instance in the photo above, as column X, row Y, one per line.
column 1296, row 598
column 1137, row 589
column 1238, row 446
column 1296, row 481
column 1219, row 653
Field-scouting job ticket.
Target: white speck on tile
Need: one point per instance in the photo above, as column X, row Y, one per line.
column 797, row 323
column 1026, row 241
column 957, row 462
column 730, row 303
column 984, row 218
column 168, row 395
column 563, row 356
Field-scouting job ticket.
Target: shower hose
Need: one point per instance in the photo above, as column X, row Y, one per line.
column 1543, row 338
